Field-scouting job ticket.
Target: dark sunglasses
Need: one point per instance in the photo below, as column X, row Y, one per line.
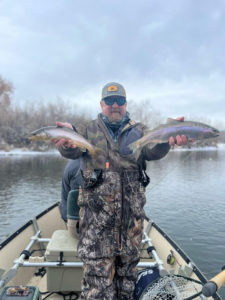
column 112, row 99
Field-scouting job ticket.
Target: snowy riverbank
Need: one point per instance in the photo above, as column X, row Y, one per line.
column 21, row 152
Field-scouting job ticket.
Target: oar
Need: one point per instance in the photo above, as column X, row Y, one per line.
column 213, row 285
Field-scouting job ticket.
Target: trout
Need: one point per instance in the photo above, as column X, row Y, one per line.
column 161, row 134
column 57, row 132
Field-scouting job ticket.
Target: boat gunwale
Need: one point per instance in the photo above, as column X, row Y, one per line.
column 26, row 225
column 180, row 251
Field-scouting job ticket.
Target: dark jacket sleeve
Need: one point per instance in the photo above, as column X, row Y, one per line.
column 70, row 153
column 159, row 151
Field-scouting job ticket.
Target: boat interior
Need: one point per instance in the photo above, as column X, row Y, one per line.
column 42, row 255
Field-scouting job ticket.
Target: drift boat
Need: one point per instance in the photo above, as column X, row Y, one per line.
column 40, row 261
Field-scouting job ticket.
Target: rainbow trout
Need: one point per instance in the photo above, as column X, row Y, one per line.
column 57, row 132
column 162, row 133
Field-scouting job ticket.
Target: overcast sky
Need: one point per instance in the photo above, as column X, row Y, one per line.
column 171, row 52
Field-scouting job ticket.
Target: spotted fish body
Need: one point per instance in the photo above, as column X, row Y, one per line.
column 56, row 132
column 161, row 134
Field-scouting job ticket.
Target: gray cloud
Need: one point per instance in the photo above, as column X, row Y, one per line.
column 168, row 51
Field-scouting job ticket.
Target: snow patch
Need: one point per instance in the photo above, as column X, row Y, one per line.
column 20, row 152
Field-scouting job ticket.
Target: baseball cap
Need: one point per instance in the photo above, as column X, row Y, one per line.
column 113, row 89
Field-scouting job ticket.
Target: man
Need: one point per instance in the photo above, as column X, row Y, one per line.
column 112, row 200
column 71, row 180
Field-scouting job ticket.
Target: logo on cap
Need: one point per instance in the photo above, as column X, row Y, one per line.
column 112, row 88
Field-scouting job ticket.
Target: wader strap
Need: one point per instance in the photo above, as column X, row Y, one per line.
column 144, row 178
column 96, row 178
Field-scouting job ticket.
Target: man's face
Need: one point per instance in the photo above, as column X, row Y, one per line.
column 113, row 112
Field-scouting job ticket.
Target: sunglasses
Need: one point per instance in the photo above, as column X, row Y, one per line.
column 111, row 100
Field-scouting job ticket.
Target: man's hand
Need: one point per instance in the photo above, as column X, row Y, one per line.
column 63, row 142
column 180, row 140
column 64, row 124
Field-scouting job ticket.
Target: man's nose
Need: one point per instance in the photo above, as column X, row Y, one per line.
column 115, row 105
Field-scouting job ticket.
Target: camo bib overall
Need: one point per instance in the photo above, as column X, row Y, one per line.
column 111, row 220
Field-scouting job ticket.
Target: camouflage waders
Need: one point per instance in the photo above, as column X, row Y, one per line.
column 111, row 224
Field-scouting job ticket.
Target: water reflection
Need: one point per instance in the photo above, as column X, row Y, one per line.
column 28, row 184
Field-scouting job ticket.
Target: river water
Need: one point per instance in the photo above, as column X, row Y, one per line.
column 186, row 197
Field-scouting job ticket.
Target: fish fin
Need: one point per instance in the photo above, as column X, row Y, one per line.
column 83, row 149
column 171, row 120
column 137, row 153
column 95, row 152
column 154, row 142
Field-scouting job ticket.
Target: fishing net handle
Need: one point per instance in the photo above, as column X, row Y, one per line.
column 214, row 284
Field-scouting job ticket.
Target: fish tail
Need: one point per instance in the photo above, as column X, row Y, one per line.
column 30, row 137
column 136, row 149
column 133, row 147
column 95, row 152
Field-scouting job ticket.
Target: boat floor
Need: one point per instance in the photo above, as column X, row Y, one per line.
column 41, row 283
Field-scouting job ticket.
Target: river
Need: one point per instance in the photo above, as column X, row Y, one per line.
column 186, row 197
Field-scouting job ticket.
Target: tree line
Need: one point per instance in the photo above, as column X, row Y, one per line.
column 16, row 123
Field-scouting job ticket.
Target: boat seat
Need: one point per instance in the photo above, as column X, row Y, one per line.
column 61, row 241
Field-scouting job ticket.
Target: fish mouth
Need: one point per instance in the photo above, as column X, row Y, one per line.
column 216, row 132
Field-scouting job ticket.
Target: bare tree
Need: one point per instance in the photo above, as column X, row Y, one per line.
column 6, row 90
column 144, row 112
